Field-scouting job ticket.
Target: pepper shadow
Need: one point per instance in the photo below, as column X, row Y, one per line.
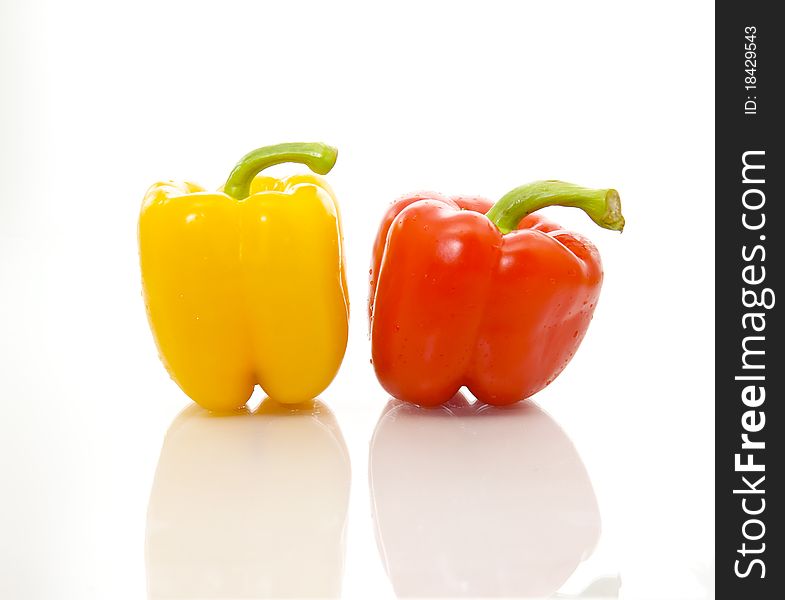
column 249, row 505
column 471, row 500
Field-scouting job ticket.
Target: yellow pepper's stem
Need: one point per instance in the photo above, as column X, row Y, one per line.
column 318, row 157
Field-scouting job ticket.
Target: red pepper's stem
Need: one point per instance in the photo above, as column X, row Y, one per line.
column 318, row 157
column 603, row 206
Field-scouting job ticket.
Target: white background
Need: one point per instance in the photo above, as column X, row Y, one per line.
column 99, row 100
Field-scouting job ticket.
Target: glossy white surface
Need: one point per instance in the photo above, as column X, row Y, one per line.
column 479, row 501
column 100, row 100
column 249, row 505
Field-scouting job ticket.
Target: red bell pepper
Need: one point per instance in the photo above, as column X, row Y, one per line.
column 490, row 297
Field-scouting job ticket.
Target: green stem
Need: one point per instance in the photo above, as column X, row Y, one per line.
column 318, row 157
column 603, row 206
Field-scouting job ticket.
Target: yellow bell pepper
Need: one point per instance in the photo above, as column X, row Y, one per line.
column 246, row 286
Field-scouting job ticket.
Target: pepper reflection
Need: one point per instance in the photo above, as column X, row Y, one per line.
column 249, row 505
column 480, row 501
